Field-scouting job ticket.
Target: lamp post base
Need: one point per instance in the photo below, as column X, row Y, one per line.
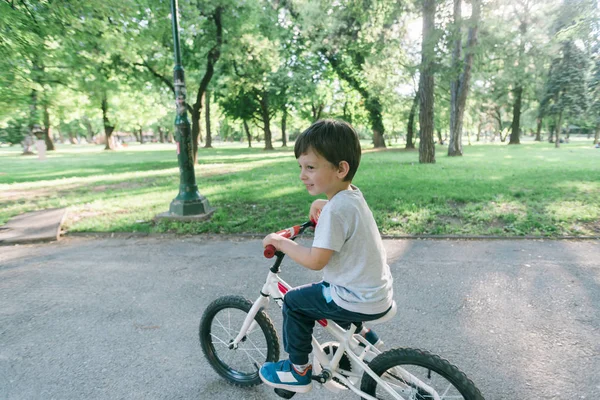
column 188, row 210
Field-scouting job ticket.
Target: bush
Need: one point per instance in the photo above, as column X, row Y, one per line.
column 15, row 132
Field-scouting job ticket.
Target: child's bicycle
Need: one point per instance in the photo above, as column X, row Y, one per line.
column 237, row 337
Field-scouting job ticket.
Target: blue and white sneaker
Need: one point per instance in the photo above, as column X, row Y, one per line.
column 283, row 375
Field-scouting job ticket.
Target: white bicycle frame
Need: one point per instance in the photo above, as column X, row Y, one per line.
column 276, row 288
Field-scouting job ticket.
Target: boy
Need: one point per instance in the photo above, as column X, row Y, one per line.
column 357, row 283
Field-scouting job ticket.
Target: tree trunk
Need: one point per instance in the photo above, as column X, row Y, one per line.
column 346, row 113
column 200, row 138
column 551, row 133
column 161, row 134
column 195, row 114
column 88, row 126
column 72, row 138
column 108, row 128
column 47, row 137
column 516, row 122
column 283, row 126
column 141, row 136
column 248, row 135
column 212, row 58
column 597, row 135
column 410, row 128
column 426, row 85
column 439, row 135
column 29, row 140
column 266, row 117
column 558, row 128
column 459, row 87
column 316, row 111
column 208, row 143
column 373, row 106
column 538, row 132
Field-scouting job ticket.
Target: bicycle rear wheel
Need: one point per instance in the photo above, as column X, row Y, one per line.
column 220, row 324
column 416, row 374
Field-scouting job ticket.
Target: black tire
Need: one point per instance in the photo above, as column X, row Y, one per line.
column 220, row 324
column 427, row 367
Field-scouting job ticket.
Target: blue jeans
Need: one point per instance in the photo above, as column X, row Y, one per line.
column 306, row 304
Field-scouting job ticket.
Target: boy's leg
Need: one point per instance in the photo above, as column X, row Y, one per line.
column 302, row 306
column 305, row 305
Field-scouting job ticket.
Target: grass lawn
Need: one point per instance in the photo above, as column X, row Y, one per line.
column 495, row 189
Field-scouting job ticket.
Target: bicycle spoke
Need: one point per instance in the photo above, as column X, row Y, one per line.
column 219, row 340
column 227, row 330
column 418, row 383
column 222, row 322
column 443, row 396
column 248, row 352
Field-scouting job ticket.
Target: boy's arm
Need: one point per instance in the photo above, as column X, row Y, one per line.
column 315, row 209
column 313, row 258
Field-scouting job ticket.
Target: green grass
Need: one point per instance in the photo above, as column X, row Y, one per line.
column 531, row 189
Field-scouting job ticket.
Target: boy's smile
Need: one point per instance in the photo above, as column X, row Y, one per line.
column 320, row 176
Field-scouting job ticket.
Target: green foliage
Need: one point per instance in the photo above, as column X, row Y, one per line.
column 14, row 131
column 566, row 90
column 309, row 59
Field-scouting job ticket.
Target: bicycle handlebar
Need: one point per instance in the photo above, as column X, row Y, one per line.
column 289, row 233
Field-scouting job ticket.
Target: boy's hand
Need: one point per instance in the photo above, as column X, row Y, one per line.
column 272, row 239
column 315, row 209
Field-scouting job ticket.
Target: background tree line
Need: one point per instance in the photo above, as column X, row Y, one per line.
column 430, row 70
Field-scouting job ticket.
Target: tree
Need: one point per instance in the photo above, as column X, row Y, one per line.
column 426, row 85
column 459, row 86
column 594, row 110
column 410, row 125
column 351, row 36
column 566, row 91
column 202, row 46
column 529, row 16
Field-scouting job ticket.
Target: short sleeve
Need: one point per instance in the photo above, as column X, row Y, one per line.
column 330, row 232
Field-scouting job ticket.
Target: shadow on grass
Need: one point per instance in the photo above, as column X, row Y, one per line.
column 17, row 169
column 454, row 196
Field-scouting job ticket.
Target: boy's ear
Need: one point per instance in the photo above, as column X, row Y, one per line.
column 343, row 169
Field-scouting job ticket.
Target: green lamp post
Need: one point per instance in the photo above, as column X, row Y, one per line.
column 189, row 203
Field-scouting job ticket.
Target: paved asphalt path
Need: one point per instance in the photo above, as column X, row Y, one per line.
column 117, row 318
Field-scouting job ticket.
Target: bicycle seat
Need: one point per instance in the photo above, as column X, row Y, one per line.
column 389, row 315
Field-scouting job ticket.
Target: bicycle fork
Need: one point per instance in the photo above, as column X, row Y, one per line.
column 249, row 322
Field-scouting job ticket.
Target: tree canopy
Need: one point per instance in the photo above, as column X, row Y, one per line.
column 84, row 71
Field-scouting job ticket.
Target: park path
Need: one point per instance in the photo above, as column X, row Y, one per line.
column 117, row 318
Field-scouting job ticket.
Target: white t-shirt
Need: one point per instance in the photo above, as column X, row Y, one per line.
column 358, row 273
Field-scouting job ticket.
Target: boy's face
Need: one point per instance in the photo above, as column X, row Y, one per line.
column 319, row 175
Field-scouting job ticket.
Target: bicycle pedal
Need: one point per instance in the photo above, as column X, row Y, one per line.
column 286, row 394
column 322, row 378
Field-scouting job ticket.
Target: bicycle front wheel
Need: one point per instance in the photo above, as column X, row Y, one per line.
column 418, row 375
column 221, row 322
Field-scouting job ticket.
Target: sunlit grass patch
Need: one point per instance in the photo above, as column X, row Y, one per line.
column 532, row 189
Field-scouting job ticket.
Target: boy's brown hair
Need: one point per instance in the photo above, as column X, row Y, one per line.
column 334, row 140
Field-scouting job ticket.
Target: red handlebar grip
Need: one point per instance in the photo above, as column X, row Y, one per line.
column 269, row 251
